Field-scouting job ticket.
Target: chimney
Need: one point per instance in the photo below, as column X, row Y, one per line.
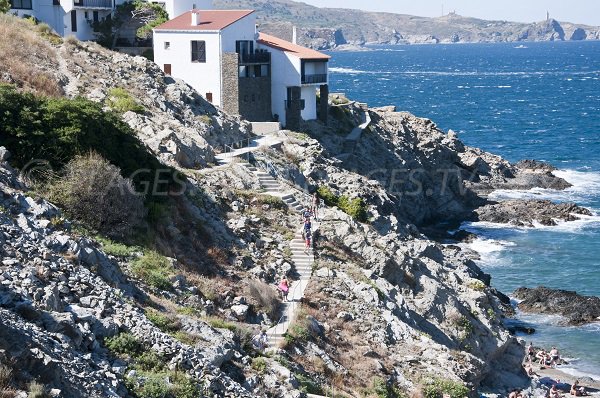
column 294, row 35
column 195, row 18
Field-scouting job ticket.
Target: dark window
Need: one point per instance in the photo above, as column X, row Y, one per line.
column 73, row 21
column 55, row 2
column 167, row 69
column 167, row 45
column 209, row 97
column 95, row 16
column 21, row 4
column 86, row 15
column 198, row 51
column 244, row 46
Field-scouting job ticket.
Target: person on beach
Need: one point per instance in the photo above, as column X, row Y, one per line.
column 578, row 390
column 554, row 357
column 315, row 205
column 529, row 369
column 541, row 356
column 555, row 392
column 284, row 288
column 530, row 352
column 516, row 393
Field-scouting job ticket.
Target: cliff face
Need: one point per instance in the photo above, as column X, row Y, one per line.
column 326, row 28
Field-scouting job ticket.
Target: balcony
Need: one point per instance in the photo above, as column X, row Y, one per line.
column 259, row 57
column 314, row 79
column 93, row 3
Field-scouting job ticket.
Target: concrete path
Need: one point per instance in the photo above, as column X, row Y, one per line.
column 254, row 144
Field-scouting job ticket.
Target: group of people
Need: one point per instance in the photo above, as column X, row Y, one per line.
column 575, row 390
column 543, row 357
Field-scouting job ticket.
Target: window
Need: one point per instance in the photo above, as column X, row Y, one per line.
column 209, row 97
column 198, row 51
column 167, row 45
column 96, row 18
column 244, row 46
column 86, row 15
column 21, row 4
column 167, row 69
column 73, row 21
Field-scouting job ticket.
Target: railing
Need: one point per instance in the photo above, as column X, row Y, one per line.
column 289, row 103
column 260, row 57
column 315, row 78
column 93, row 3
column 233, row 146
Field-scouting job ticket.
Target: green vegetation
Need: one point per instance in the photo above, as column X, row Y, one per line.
column 437, row 388
column 296, row 333
column 356, row 208
column 164, row 322
column 4, row 6
column 186, row 338
column 93, row 192
column 476, row 284
column 119, row 100
column 58, row 129
column 308, row 385
column 259, row 364
column 154, row 269
column 124, row 345
column 117, row 249
column 219, row 323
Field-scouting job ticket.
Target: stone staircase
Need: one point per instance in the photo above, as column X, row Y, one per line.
column 302, row 260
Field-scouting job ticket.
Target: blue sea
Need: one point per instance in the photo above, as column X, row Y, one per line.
column 532, row 101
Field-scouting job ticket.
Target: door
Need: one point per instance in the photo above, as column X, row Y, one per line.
column 167, row 69
column 74, row 21
column 209, row 97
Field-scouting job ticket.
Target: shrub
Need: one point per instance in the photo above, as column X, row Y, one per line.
column 308, row 385
column 154, row 386
column 6, row 375
column 57, row 130
column 124, row 344
column 163, row 385
column 150, row 361
column 267, row 298
column 4, row 6
column 187, row 338
column 437, row 388
column 259, row 364
column 219, row 323
column 92, row 191
column 355, row 208
column 121, row 101
column 164, row 322
column 154, row 269
column 117, row 249
column 477, row 285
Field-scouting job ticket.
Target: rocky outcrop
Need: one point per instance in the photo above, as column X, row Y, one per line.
column 525, row 213
column 576, row 309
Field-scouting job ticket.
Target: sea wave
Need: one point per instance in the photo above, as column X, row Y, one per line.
column 576, row 372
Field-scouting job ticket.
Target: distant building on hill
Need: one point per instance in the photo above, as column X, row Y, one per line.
column 260, row 77
column 75, row 17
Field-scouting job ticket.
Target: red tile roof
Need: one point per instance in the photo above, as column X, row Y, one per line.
column 209, row 20
column 291, row 48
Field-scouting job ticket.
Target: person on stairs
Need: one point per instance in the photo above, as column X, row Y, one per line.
column 284, row 288
column 307, row 240
column 315, row 206
column 260, row 341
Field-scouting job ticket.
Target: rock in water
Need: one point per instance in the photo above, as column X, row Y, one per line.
column 575, row 308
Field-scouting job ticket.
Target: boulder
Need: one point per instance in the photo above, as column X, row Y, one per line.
column 576, row 309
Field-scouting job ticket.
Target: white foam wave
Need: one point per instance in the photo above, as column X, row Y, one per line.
column 350, row 71
column 577, row 373
column 582, row 181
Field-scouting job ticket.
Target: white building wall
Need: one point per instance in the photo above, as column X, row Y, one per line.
column 309, row 95
column 285, row 72
column 204, row 77
column 46, row 12
column 244, row 29
column 84, row 29
column 177, row 7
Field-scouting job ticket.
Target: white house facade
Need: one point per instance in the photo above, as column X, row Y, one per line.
column 214, row 52
column 67, row 17
column 297, row 73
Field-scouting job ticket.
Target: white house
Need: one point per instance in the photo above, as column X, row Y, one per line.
column 296, row 74
column 177, row 7
column 214, row 52
column 221, row 54
column 66, row 17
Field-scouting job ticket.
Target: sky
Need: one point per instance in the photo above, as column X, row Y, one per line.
column 577, row 11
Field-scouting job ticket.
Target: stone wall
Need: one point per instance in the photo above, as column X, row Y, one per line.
column 230, row 94
column 255, row 98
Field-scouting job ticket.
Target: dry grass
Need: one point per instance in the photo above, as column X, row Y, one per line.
column 26, row 57
column 266, row 297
